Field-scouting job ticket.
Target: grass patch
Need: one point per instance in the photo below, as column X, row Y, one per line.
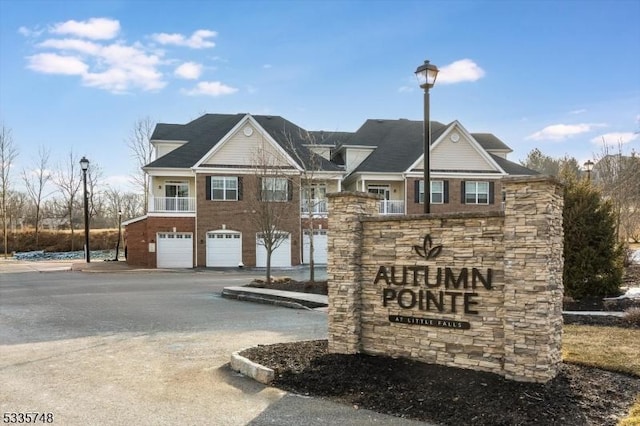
column 608, row 348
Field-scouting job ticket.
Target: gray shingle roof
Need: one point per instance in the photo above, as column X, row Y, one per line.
column 205, row 132
column 399, row 143
column 513, row 168
column 490, row 142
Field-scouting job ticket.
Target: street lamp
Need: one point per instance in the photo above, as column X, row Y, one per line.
column 119, row 232
column 84, row 164
column 588, row 166
column 427, row 74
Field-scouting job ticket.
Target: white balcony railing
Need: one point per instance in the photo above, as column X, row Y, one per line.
column 391, row 207
column 173, row 204
column 314, row 206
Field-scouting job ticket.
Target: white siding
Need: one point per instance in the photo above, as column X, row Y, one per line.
column 460, row 155
column 163, row 148
column 242, row 150
column 355, row 156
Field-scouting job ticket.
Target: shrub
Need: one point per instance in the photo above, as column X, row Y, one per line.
column 593, row 258
column 632, row 317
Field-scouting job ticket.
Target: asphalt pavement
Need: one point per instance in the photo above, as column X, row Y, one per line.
column 111, row 345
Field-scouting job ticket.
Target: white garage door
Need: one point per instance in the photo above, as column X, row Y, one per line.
column 281, row 256
column 224, row 248
column 319, row 246
column 175, row 250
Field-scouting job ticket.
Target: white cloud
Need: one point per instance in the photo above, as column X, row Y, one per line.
column 198, row 39
column 88, row 49
column 460, row 71
column 614, row 138
column 29, row 32
column 210, row 88
column 51, row 63
column 82, row 46
column 562, row 131
column 189, row 71
column 578, row 111
column 94, row 28
column 405, row 89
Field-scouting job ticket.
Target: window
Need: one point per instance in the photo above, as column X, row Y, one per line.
column 476, row 192
column 314, row 199
column 224, row 188
column 275, row 189
column 439, row 191
column 174, row 189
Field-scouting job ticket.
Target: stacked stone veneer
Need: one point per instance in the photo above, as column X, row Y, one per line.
column 517, row 329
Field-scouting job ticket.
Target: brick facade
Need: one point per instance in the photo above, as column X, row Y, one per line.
column 511, row 326
column 138, row 235
column 236, row 216
column 455, row 203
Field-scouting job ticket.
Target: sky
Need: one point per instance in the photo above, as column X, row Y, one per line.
column 560, row 76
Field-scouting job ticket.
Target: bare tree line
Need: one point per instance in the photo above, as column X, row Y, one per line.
column 615, row 174
column 50, row 196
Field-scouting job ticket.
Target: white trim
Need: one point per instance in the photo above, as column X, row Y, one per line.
column 134, row 220
column 473, row 142
column 226, row 138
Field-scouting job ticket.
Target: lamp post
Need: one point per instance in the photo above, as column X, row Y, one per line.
column 119, row 233
column 427, row 74
column 588, row 166
column 84, row 164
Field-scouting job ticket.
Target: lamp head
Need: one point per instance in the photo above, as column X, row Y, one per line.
column 426, row 75
column 84, row 164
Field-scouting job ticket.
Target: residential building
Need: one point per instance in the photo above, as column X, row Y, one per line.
column 212, row 177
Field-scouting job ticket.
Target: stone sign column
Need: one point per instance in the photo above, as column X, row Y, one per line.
column 344, row 273
column 533, row 290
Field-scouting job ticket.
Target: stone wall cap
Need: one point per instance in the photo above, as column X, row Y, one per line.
column 539, row 178
column 458, row 215
column 353, row 194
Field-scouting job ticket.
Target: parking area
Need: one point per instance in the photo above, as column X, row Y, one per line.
column 148, row 348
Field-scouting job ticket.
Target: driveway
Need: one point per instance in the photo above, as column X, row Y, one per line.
column 148, row 348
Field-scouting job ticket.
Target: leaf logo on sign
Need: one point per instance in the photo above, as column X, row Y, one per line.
column 428, row 250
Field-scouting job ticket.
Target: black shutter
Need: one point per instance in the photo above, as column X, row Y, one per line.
column 207, row 187
column 445, row 192
column 259, row 191
column 289, row 190
column 416, row 189
column 462, row 188
column 239, row 188
column 491, row 193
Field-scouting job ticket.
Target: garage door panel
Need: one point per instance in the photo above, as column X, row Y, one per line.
column 224, row 249
column 281, row 256
column 320, row 243
column 174, row 250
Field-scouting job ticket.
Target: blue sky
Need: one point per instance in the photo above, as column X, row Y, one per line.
column 553, row 75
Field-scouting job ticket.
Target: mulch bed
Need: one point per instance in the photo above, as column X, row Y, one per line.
column 578, row 396
column 450, row 396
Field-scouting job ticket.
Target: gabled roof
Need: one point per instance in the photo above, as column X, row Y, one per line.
column 398, row 143
column 512, row 168
column 490, row 142
column 207, row 131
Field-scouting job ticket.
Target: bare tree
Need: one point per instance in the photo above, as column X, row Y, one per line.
column 8, row 153
column 35, row 181
column 307, row 148
column 618, row 177
column 143, row 152
column 272, row 207
column 68, row 178
column 96, row 202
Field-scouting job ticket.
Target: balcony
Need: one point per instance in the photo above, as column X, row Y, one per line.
column 391, row 207
column 314, row 207
column 172, row 205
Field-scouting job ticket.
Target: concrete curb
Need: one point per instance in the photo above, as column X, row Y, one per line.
column 288, row 299
column 251, row 369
